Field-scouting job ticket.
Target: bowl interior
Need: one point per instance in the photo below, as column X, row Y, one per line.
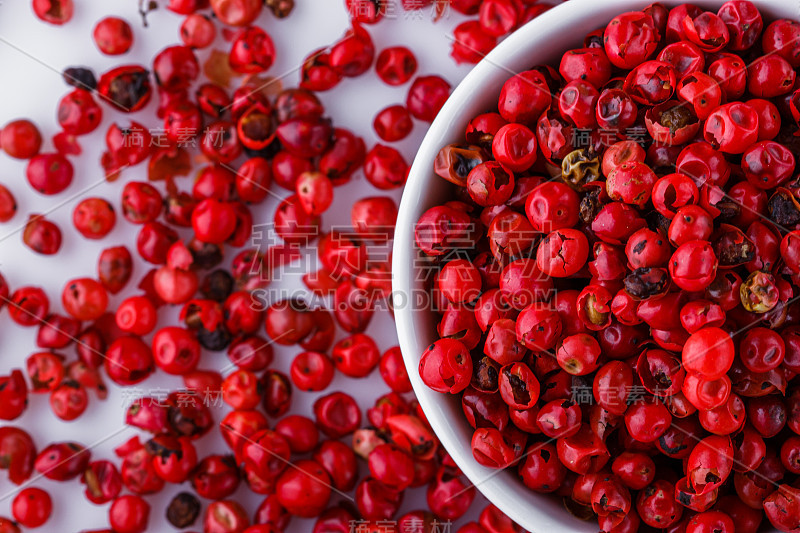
column 541, row 41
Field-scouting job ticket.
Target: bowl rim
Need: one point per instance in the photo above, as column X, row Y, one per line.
column 533, row 511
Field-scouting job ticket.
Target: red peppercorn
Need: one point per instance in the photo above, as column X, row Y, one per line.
column 339, row 462
column 767, row 164
column 732, row 127
column 175, row 350
column 103, row 482
column 693, row 266
column 393, row 370
column 175, row 68
column 136, row 315
column 20, row 139
column 541, row 470
column 78, row 113
column 41, row 235
column 448, row 495
column 343, row 158
column 304, row 138
column 471, row 43
column 113, row 36
column 524, row 98
column 337, row 414
column 314, row 192
column 374, row 217
column 578, row 354
column 252, row 51
column 312, row 371
column 691, row 223
column 277, row 397
column 62, row 461
column 56, row 12
column 13, row 396
column 426, row 96
column 46, row 370
column 317, row 74
column 32, row 507
column 21, row 450
column 639, row 83
column 656, row 505
column 562, row 253
column 385, row 167
column 225, row 516
column 646, row 421
column 393, row 123
column 632, row 182
column 356, row 356
column 69, row 400
column 777, row 39
column 685, row 57
column 354, row 53
column 57, row 331
column 49, row 173
column 127, row 87
column 128, row 146
column 630, row 39
column 129, row 514
column 197, row 31
column 707, row 30
column 94, row 218
column 128, row 361
column 304, row 491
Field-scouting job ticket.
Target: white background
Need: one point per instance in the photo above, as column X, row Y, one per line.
column 32, row 55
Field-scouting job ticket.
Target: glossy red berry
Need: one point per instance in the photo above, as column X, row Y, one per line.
column 175, row 350
column 129, row 514
column 732, row 127
column 197, row 31
column 709, row 353
column 78, row 113
column 693, row 266
column 767, row 164
column 396, row 65
column 579, row 354
column 562, row 253
column 113, row 36
column 41, row 235
column 356, row 356
column 446, row 366
column 426, row 96
column 647, row 420
column 128, row 361
column 20, row 139
column 49, row 173
column 56, row 12
column 385, row 167
column 69, row 400
column 630, row 39
column 32, row 507
column 252, row 51
column 304, row 491
column 94, row 218
column 137, row 315
column 393, row 370
column 393, row 123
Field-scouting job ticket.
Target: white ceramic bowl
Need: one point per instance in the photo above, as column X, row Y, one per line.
column 541, row 41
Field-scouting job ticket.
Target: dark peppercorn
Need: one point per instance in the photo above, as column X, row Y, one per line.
column 183, row 510
column 80, row 77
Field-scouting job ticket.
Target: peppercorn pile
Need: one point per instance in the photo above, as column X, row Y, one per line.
column 618, row 274
column 198, row 142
